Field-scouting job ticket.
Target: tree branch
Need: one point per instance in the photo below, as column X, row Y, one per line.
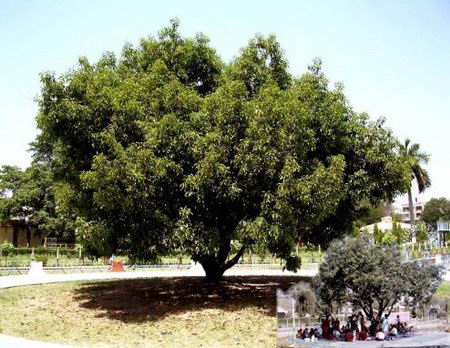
column 383, row 306
column 366, row 310
column 366, row 307
column 224, row 250
column 392, row 307
column 235, row 259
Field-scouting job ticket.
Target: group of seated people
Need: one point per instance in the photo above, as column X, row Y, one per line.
column 309, row 335
column 354, row 329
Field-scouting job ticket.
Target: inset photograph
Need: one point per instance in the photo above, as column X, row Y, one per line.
column 365, row 296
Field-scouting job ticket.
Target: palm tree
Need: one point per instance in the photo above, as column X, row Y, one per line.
column 416, row 158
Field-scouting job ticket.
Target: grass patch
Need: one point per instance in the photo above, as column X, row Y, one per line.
column 182, row 312
column 443, row 290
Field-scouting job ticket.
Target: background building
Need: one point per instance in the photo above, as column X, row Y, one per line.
column 418, row 209
column 384, row 225
column 19, row 234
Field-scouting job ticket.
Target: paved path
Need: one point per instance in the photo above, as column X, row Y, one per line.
column 18, row 342
column 429, row 340
column 21, row 280
column 447, row 276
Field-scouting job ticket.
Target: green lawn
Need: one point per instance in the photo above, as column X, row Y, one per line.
column 443, row 290
column 181, row 312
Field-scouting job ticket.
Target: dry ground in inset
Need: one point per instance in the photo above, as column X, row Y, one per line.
column 163, row 312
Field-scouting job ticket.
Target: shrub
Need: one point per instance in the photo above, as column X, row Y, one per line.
column 42, row 258
column 44, row 251
column 7, row 248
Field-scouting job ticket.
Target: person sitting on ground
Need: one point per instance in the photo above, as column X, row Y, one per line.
column 312, row 335
column 330, row 327
column 344, row 330
column 354, row 323
column 305, row 333
column 326, row 328
column 336, row 328
column 393, row 331
column 380, row 336
column 306, row 336
column 319, row 331
column 336, row 324
column 360, row 325
column 362, row 336
column 407, row 329
column 322, row 325
column 299, row 333
column 337, row 333
column 376, row 328
column 349, row 337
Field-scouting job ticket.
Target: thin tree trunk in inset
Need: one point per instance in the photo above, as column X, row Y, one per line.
column 412, row 219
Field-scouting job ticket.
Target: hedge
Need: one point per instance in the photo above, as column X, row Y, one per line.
column 44, row 251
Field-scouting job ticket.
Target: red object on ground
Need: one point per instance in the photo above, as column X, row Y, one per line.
column 349, row 336
column 362, row 336
column 116, row 266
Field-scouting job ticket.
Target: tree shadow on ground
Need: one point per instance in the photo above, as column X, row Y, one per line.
column 138, row 300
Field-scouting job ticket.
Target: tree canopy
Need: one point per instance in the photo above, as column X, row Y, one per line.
column 373, row 279
column 29, row 196
column 167, row 147
column 436, row 209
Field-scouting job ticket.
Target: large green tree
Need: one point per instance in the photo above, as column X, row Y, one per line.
column 167, row 147
column 416, row 158
column 436, row 209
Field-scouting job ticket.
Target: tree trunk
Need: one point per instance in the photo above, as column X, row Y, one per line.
column 412, row 219
column 213, row 270
column 215, row 266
